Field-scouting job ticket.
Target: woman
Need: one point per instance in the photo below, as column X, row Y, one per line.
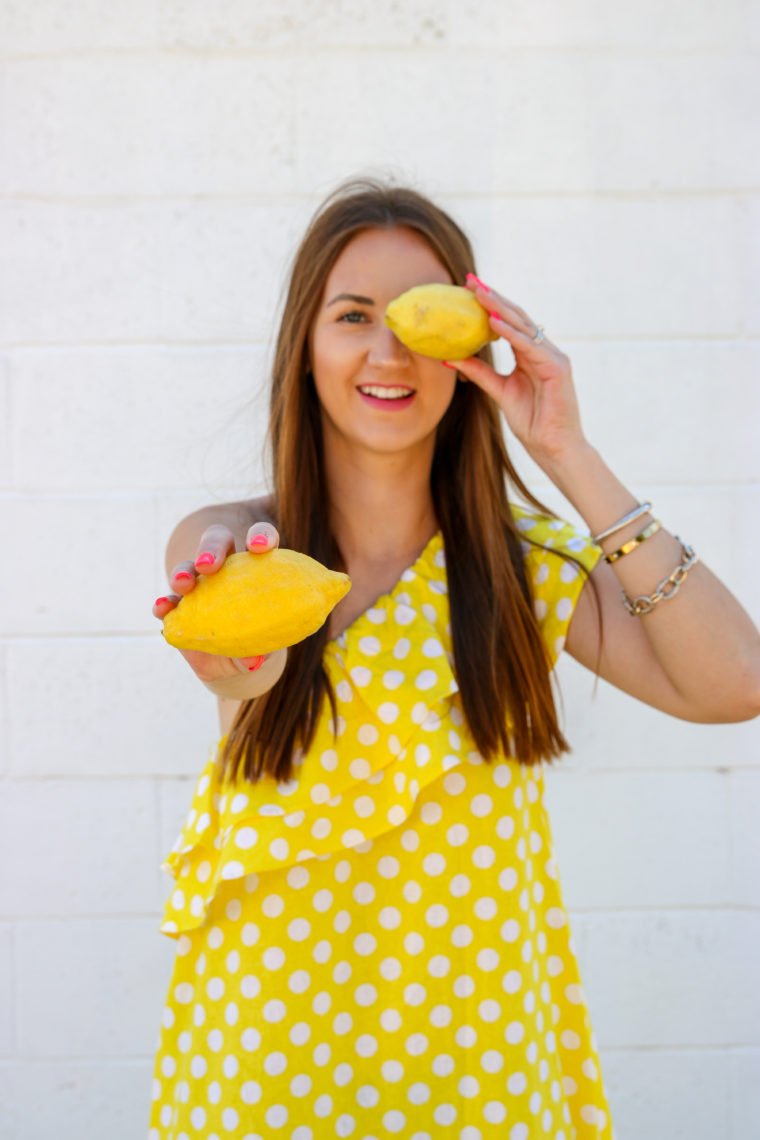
column 371, row 936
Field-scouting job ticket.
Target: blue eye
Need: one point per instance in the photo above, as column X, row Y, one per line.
column 353, row 317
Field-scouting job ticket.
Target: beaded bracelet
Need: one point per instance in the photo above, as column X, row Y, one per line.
column 644, row 605
column 627, row 547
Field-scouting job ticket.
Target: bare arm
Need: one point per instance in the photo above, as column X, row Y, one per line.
column 695, row 655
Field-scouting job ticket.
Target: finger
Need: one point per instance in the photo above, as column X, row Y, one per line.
column 216, row 544
column 482, row 374
column 163, row 605
column 518, row 340
column 250, row 664
column 491, row 300
column 261, row 537
column 182, row 578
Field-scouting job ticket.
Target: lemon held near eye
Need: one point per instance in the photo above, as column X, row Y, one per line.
column 256, row 603
column 442, row 321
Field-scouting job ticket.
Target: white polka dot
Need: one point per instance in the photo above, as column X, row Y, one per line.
column 368, row 734
column 388, row 712
column 276, row 1115
column 519, row 1132
column 404, row 615
column 343, row 691
column 517, row 1083
column 555, row 918
column 494, row 1112
column 360, row 675
column 432, row 648
column 434, row 864
column 393, row 678
column 369, row 645
column 481, row 805
column 570, row 1039
column 426, row 679
column 443, row 1065
column 444, row 1114
column 540, row 608
column 431, row 812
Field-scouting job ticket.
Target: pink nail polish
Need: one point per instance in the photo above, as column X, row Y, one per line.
column 472, row 277
column 496, row 316
column 182, row 574
column 256, row 665
column 446, row 364
column 205, row 560
column 160, row 601
column 259, row 540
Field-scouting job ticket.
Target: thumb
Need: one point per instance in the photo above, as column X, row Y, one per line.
column 482, row 374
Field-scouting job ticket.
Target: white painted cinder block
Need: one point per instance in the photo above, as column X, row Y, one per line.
column 78, row 847
column 549, row 131
column 190, row 271
column 150, row 125
column 155, row 418
column 607, row 729
column 5, row 424
column 670, row 978
column 611, row 267
column 53, row 26
column 639, row 839
column 706, row 400
column 79, row 1099
column 128, row 707
column 300, row 24
column 5, row 755
column 664, row 1094
column 744, row 836
column 91, row 988
column 7, row 992
column 680, row 26
column 745, row 1093
column 95, row 572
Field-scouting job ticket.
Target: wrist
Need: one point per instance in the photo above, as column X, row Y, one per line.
column 249, row 685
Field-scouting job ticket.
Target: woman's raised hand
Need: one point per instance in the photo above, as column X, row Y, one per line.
column 538, row 396
column 216, row 544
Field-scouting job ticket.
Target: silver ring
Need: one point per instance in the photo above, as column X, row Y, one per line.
column 539, row 334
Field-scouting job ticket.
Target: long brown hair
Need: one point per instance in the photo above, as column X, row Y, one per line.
column 500, row 659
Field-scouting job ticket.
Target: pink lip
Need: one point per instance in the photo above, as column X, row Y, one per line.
column 387, row 405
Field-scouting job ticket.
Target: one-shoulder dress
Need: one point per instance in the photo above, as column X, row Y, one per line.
column 378, row 948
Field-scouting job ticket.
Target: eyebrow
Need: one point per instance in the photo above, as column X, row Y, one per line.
column 350, row 297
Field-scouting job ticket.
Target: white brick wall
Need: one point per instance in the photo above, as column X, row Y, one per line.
column 158, row 160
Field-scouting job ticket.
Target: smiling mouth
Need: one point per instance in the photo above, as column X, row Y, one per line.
column 382, row 393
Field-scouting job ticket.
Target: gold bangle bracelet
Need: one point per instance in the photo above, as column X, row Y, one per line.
column 627, row 547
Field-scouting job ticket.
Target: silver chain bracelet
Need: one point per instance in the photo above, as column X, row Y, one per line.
column 644, row 605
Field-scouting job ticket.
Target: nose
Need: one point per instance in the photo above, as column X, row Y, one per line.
column 387, row 350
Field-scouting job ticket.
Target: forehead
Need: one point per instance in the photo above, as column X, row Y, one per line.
column 386, row 261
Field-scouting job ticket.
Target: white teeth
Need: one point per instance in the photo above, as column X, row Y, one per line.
column 385, row 393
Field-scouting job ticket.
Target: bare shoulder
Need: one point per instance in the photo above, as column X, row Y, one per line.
column 237, row 517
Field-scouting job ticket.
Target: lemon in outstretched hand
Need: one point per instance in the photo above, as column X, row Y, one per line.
column 256, row 603
column 442, row 321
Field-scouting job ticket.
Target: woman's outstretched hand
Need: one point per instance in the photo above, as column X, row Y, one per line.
column 538, row 396
column 216, row 545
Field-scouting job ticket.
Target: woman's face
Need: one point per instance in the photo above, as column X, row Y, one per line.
column 374, row 392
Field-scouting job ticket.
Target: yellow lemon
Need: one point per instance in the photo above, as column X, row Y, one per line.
column 255, row 604
column 442, row 321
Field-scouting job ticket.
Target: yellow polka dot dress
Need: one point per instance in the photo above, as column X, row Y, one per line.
column 378, row 948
